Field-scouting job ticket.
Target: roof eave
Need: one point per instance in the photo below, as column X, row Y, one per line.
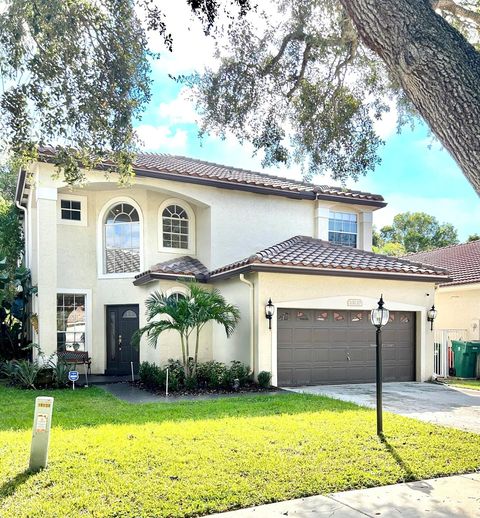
column 258, row 189
column 147, row 277
column 306, row 270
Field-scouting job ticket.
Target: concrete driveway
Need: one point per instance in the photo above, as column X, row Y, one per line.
column 435, row 403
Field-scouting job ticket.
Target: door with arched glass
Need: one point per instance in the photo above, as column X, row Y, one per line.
column 122, row 322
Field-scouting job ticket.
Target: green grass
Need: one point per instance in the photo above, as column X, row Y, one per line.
column 112, row 459
column 470, row 384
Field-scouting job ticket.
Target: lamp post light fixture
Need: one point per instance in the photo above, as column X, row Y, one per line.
column 431, row 316
column 379, row 317
column 269, row 312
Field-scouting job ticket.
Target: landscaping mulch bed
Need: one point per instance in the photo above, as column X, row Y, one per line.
column 248, row 389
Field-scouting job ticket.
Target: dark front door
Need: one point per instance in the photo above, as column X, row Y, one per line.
column 122, row 322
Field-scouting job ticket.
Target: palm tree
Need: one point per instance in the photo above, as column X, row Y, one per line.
column 210, row 306
column 186, row 315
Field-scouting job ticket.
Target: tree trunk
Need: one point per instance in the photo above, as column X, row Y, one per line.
column 437, row 68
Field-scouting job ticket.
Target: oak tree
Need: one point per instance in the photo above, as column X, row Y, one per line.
column 308, row 82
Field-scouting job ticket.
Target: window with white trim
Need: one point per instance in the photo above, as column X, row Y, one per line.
column 122, row 239
column 175, row 227
column 343, row 228
column 71, row 322
column 71, row 210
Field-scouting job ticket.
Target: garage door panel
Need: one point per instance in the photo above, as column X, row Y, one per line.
column 285, row 356
column 302, row 336
column 302, row 355
column 285, row 335
column 337, row 346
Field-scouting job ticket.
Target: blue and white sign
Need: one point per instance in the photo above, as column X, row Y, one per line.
column 73, row 375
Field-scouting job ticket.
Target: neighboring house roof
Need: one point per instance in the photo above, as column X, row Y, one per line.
column 302, row 254
column 462, row 261
column 184, row 169
column 184, row 266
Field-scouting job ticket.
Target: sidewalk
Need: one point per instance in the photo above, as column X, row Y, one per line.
column 457, row 496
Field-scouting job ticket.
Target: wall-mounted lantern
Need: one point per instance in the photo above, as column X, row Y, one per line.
column 431, row 316
column 379, row 317
column 269, row 312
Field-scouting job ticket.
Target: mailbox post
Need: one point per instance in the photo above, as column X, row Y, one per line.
column 42, row 421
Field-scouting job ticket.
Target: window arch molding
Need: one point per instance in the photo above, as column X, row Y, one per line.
column 191, row 227
column 101, row 238
column 177, row 290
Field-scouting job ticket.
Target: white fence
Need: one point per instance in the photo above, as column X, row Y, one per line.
column 443, row 355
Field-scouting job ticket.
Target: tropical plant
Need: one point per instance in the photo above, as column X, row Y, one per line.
column 210, row 306
column 187, row 315
column 59, row 372
column 26, row 373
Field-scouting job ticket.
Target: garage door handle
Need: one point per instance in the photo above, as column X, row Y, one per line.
column 348, row 357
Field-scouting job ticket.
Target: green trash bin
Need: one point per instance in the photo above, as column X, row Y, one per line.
column 465, row 358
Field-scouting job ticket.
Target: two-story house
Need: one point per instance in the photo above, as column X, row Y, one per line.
column 98, row 251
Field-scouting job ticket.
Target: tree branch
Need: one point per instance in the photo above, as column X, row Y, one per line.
column 301, row 74
column 457, row 10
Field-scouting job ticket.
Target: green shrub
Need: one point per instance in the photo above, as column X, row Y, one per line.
column 173, row 382
column 8, row 369
column 59, row 372
column 191, row 383
column 264, row 379
column 240, row 371
column 26, row 373
column 212, row 374
column 152, row 376
column 176, row 370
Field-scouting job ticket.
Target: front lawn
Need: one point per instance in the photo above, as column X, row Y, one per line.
column 470, row 384
column 110, row 458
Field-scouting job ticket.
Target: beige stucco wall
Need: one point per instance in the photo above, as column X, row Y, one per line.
column 229, row 225
column 459, row 308
column 307, row 291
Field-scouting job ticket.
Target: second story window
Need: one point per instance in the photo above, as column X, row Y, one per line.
column 175, row 227
column 342, row 228
column 122, row 239
column 71, row 210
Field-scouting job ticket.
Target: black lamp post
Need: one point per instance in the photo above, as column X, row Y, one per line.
column 379, row 317
column 431, row 316
column 269, row 312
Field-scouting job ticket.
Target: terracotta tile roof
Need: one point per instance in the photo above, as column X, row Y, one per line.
column 198, row 171
column 184, row 266
column 462, row 261
column 301, row 252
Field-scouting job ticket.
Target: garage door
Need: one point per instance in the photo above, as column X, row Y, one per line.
column 337, row 346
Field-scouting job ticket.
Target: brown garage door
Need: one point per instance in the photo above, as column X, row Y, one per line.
column 336, row 346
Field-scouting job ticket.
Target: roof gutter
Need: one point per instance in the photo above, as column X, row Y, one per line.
column 304, row 270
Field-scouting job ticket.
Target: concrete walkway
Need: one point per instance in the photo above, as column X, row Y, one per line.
column 448, row 497
column 431, row 402
column 131, row 394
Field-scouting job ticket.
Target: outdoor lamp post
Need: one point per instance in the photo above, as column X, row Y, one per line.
column 269, row 312
column 431, row 316
column 379, row 317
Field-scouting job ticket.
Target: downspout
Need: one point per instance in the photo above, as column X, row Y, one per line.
column 25, row 221
column 252, row 321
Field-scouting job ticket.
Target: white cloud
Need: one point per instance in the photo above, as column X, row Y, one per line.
column 387, row 125
column 161, row 138
column 180, row 110
column 192, row 50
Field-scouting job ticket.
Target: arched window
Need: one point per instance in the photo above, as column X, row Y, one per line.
column 122, row 239
column 175, row 227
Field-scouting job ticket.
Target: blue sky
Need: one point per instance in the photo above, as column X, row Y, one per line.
column 416, row 174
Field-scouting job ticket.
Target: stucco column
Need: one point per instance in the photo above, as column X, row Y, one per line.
column 365, row 231
column 47, row 268
column 322, row 214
